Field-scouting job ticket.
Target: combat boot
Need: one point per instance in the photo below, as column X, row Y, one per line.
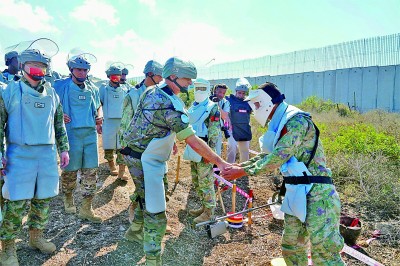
column 69, row 203
column 135, row 232
column 8, row 256
column 196, row 212
column 113, row 169
column 86, row 211
column 121, row 173
column 37, row 241
column 153, row 261
column 205, row 216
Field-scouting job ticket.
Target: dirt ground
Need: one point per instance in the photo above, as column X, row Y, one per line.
column 83, row 243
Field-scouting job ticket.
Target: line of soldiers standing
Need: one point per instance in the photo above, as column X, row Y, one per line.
column 38, row 121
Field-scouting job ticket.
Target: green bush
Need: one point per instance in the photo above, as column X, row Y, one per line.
column 363, row 139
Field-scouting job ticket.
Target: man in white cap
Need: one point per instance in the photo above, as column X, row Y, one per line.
column 239, row 115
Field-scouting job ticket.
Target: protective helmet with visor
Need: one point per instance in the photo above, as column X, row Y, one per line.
column 38, row 53
column 77, row 58
column 262, row 101
column 114, row 72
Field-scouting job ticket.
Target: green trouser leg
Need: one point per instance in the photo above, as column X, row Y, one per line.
column 320, row 229
column 154, row 228
column 14, row 212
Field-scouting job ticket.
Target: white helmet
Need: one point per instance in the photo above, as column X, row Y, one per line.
column 242, row 84
column 202, row 89
column 267, row 95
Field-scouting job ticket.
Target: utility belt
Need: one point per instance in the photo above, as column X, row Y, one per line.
column 129, row 152
column 303, row 180
column 306, row 180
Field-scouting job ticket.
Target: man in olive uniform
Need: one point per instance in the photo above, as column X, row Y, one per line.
column 159, row 118
column 31, row 111
column 82, row 112
column 311, row 204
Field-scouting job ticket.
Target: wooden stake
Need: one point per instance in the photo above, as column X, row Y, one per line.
column 178, row 167
column 234, row 197
column 250, row 204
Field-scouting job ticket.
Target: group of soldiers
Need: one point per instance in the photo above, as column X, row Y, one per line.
column 141, row 125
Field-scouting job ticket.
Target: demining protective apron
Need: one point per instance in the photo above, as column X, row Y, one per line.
column 79, row 104
column 154, row 162
column 295, row 201
column 197, row 115
column 135, row 95
column 31, row 154
column 113, row 99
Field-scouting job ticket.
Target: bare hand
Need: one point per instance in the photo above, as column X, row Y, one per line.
column 67, row 119
column 174, row 149
column 223, row 165
column 232, row 172
column 99, row 129
column 64, row 160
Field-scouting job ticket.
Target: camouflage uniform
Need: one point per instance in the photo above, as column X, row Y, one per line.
column 202, row 173
column 130, row 105
column 321, row 226
column 87, row 136
column 146, row 125
column 39, row 208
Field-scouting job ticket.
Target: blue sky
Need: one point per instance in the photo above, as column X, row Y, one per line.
column 135, row 31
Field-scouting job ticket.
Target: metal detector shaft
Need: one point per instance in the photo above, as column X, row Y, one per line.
column 236, row 213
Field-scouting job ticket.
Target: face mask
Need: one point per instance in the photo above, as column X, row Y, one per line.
column 115, row 78
column 123, row 81
column 36, row 73
column 200, row 96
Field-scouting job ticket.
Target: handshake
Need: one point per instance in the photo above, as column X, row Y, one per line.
column 231, row 171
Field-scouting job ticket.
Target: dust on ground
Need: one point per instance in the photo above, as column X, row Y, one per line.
column 83, row 243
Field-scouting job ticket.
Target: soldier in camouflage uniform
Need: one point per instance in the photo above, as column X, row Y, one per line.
column 149, row 141
column 82, row 114
column 34, row 117
column 11, row 72
column 112, row 95
column 311, row 204
column 204, row 117
column 152, row 71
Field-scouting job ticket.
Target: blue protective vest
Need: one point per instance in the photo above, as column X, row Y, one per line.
column 240, row 118
column 78, row 103
column 295, row 202
column 81, row 106
column 32, row 170
column 197, row 116
column 112, row 100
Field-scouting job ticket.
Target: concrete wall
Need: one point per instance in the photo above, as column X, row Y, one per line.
column 363, row 88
